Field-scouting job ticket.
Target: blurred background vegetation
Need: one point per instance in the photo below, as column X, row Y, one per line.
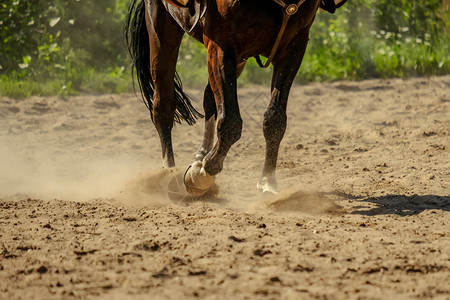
column 72, row 46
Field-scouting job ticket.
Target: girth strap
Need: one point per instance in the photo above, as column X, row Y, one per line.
column 289, row 10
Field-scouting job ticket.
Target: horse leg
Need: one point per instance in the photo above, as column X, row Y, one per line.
column 209, row 107
column 164, row 39
column 223, row 72
column 275, row 119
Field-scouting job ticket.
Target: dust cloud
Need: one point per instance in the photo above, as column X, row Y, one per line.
column 75, row 178
column 105, row 147
column 66, row 177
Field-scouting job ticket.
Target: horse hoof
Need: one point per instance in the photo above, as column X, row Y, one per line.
column 196, row 180
column 266, row 187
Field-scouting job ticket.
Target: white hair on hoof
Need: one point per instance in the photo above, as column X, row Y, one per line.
column 267, row 186
column 196, row 180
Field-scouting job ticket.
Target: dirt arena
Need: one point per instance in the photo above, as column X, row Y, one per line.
column 86, row 210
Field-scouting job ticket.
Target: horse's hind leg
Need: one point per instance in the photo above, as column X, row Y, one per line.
column 275, row 118
column 165, row 39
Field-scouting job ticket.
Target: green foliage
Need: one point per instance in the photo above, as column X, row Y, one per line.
column 379, row 38
column 67, row 46
column 25, row 88
column 61, row 40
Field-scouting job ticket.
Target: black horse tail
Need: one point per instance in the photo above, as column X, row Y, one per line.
column 137, row 42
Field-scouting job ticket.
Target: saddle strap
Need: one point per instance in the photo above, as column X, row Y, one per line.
column 289, row 10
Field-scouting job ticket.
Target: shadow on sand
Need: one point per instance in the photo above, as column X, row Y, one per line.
column 402, row 205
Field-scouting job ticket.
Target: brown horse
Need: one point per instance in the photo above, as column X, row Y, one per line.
column 232, row 31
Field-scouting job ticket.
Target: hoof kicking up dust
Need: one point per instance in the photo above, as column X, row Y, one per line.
column 196, row 180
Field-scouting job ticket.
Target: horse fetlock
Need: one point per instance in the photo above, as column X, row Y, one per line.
column 196, row 180
column 212, row 164
column 200, row 155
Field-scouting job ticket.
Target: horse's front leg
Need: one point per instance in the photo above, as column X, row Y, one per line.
column 223, row 72
column 275, row 118
column 209, row 106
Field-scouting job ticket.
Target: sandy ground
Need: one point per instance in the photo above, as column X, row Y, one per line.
column 364, row 211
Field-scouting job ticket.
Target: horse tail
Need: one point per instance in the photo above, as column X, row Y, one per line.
column 137, row 43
